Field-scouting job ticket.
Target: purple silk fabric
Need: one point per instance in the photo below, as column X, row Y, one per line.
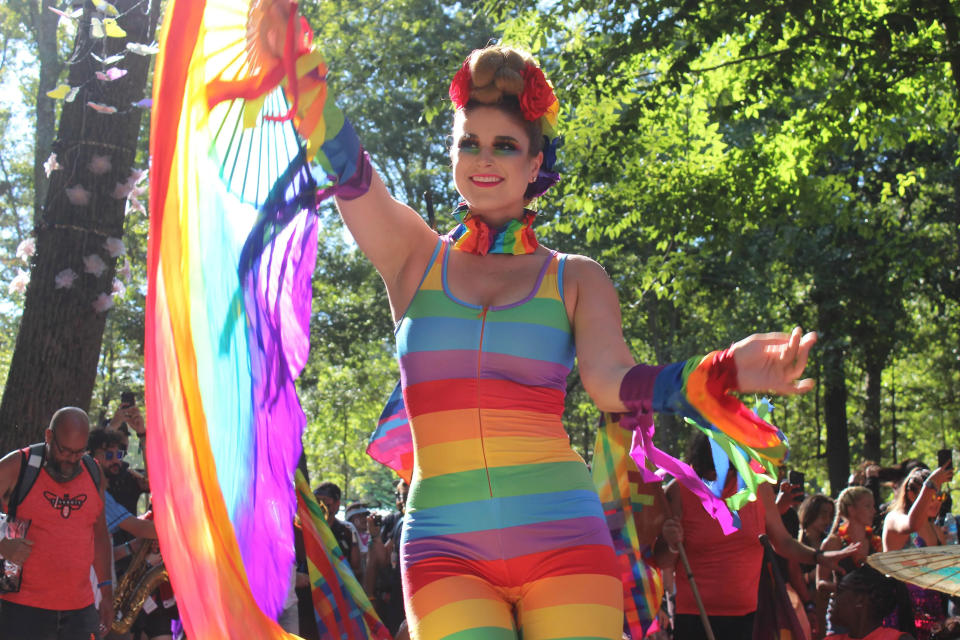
column 277, row 297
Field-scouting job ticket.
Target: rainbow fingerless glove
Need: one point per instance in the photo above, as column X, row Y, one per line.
column 700, row 389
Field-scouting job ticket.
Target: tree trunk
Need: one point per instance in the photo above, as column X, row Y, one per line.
column 55, row 360
column 45, row 31
column 871, row 413
column 835, row 413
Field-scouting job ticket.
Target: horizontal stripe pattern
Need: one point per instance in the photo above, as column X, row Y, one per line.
column 500, row 506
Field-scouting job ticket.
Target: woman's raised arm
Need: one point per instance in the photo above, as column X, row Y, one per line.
column 393, row 237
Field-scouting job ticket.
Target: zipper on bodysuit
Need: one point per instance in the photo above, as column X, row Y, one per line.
column 483, row 447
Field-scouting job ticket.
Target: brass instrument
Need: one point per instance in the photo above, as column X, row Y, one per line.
column 140, row 579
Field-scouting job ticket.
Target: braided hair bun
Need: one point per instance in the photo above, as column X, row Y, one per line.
column 497, row 72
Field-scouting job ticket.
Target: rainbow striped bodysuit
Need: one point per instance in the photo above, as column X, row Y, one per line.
column 504, row 531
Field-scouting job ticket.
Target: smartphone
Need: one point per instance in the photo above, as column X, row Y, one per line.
column 795, row 478
column 945, row 458
column 128, row 399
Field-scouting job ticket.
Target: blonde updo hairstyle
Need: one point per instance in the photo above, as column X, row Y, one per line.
column 845, row 501
column 496, row 74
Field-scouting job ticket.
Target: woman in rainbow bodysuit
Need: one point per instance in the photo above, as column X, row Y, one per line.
column 504, row 532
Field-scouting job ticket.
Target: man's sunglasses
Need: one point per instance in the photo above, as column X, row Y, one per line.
column 118, row 454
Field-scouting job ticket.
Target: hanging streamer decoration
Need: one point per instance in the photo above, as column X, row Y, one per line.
column 239, row 112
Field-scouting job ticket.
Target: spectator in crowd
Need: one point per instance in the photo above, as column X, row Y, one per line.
column 356, row 519
column 852, row 525
column 909, row 523
column 949, row 629
column 727, row 568
column 816, row 517
column 129, row 533
column 128, row 417
column 382, row 580
column 60, row 491
column 328, row 494
column 863, row 599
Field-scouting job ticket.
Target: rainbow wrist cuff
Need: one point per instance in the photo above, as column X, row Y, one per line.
column 699, row 390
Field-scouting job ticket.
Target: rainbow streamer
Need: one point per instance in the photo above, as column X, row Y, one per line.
column 342, row 609
column 231, row 254
column 391, row 443
column 693, row 390
column 634, row 515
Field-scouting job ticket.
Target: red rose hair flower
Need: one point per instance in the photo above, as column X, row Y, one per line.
column 460, row 85
column 537, row 93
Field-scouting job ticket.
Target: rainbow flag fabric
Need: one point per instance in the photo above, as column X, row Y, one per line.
column 341, row 607
column 239, row 113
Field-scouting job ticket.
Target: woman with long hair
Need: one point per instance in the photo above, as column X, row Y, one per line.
column 909, row 523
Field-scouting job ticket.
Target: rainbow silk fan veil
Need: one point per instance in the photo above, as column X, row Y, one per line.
column 239, row 113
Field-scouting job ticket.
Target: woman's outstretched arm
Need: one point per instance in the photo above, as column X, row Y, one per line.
column 764, row 363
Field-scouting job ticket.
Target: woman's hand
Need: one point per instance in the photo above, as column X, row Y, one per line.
column 940, row 476
column 772, row 362
column 830, row 560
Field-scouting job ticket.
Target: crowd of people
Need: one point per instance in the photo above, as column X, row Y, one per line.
column 831, row 589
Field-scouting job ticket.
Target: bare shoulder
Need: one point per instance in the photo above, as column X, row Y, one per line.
column 831, row 543
column 579, row 266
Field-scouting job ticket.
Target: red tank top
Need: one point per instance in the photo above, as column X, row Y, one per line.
column 62, row 516
column 725, row 568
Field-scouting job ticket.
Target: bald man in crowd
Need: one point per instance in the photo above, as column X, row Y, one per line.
column 67, row 534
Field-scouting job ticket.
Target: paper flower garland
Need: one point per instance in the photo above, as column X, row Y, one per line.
column 65, row 279
column 26, row 249
column 94, row 264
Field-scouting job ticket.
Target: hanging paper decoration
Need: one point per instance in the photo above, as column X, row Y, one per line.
column 71, row 16
column 107, row 27
column 106, row 8
column 94, row 264
column 77, row 195
column 103, row 303
column 114, row 247
column 117, row 57
column 65, row 279
column 26, row 249
column 51, row 164
column 231, row 253
column 102, row 108
column 142, row 49
column 111, row 74
column 119, row 289
column 19, row 282
column 99, row 165
column 124, row 271
column 60, row 92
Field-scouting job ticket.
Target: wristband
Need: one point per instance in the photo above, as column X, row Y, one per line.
column 930, row 485
column 105, row 583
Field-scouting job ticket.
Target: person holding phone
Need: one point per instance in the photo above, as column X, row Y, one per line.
column 909, row 522
column 128, row 417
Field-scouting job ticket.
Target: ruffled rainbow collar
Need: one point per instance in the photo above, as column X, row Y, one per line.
column 476, row 236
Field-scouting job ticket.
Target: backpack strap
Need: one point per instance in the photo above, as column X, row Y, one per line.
column 93, row 468
column 31, row 461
